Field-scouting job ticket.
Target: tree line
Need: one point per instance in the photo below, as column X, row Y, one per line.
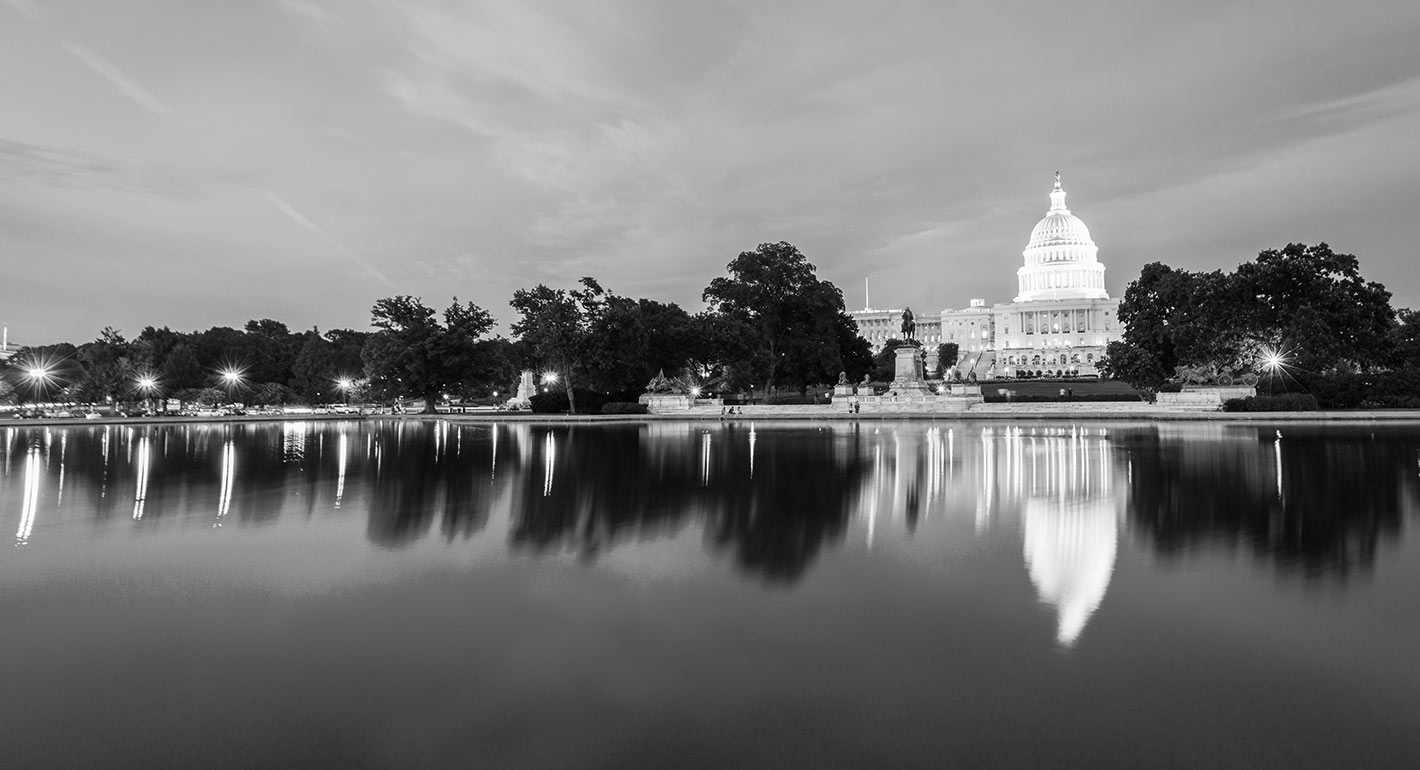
column 769, row 323
column 1300, row 314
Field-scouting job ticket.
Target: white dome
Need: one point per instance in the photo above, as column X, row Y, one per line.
column 1060, row 258
column 1060, row 228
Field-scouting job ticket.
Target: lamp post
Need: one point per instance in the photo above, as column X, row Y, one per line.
column 232, row 379
column 1272, row 363
column 345, row 384
column 148, row 386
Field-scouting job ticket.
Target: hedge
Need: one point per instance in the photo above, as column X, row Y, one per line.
column 1282, row 402
column 555, row 402
column 622, row 407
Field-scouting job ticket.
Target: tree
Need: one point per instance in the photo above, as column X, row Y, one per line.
column 1306, row 301
column 1313, row 303
column 794, row 316
column 1405, row 337
column 108, row 368
column 948, row 353
column 414, row 353
column 635, row 339
column 718, row 347
column 885, row 362
column 557, row 324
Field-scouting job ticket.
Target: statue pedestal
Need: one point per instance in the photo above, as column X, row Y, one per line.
column 907, row 372
column 666, row 402
column 1206, row 397
column 842, row 391
column 526, row 389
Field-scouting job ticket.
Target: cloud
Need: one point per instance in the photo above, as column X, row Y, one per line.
column 125, row 84
column 27, row 8
column 305, row 223
column 67, row 168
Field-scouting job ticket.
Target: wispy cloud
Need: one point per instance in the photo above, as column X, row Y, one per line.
column 27, row 8
column 281, row 205
column 121, row 81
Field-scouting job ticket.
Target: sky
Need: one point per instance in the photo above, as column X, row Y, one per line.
column 192, row 163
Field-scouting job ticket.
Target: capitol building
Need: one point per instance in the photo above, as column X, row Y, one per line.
column 1058, row 324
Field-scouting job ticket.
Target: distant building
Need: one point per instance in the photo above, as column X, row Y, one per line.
column 1059, row 322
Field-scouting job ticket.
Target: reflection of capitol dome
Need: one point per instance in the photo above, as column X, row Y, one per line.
column 1069, row 551
column 1060, row 258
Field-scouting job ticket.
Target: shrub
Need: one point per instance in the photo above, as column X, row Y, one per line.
column 622, row 407
column 555, row 402
column 1282, row 402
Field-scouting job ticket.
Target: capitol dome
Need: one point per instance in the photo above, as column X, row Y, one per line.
column 1060, row 258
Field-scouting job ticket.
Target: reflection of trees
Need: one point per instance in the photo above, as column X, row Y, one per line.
column 417, row 474
column 798, row 500
column 585, row 490
column 1314, row 501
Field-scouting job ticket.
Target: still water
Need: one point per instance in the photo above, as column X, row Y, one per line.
column 718, row 595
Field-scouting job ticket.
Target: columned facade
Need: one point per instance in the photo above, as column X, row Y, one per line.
column 1058, row 324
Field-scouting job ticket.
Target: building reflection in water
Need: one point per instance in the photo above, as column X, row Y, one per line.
column 771, row 500
column 1055, row 485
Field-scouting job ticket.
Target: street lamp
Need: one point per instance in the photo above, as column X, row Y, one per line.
column 148, row 386
column 345, row 384
column 39, row 376
column 232, row 379
column 1272, row 363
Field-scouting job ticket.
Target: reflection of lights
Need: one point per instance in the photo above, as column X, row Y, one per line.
column 1277, row 453
column 224, row 495
column 29, row 502
column 705, row 459
column 141, row 495
column 549, row 454
column 340, row 469
column 752, row 438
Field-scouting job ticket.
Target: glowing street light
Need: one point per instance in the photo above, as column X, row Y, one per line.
column 549, row 378
column 1273, row 362
column 232, row 379
column 345, row 384
column 147, row 384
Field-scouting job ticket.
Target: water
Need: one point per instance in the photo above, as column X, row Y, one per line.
column 894, row 594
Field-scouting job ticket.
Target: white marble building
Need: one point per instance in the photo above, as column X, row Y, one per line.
column 1059, row 322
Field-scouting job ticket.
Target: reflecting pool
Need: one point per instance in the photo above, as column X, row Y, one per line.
column 393, row 593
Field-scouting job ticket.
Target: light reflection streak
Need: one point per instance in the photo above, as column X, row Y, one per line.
column 29, row 502
column 224, row 495
column 752, row 438
column 103, row 486
column 1277, row 453
column 493, row 465
column 140, row 496
column 549, row 454
column 63, row 450
column 340, row 470
column 705, row 458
